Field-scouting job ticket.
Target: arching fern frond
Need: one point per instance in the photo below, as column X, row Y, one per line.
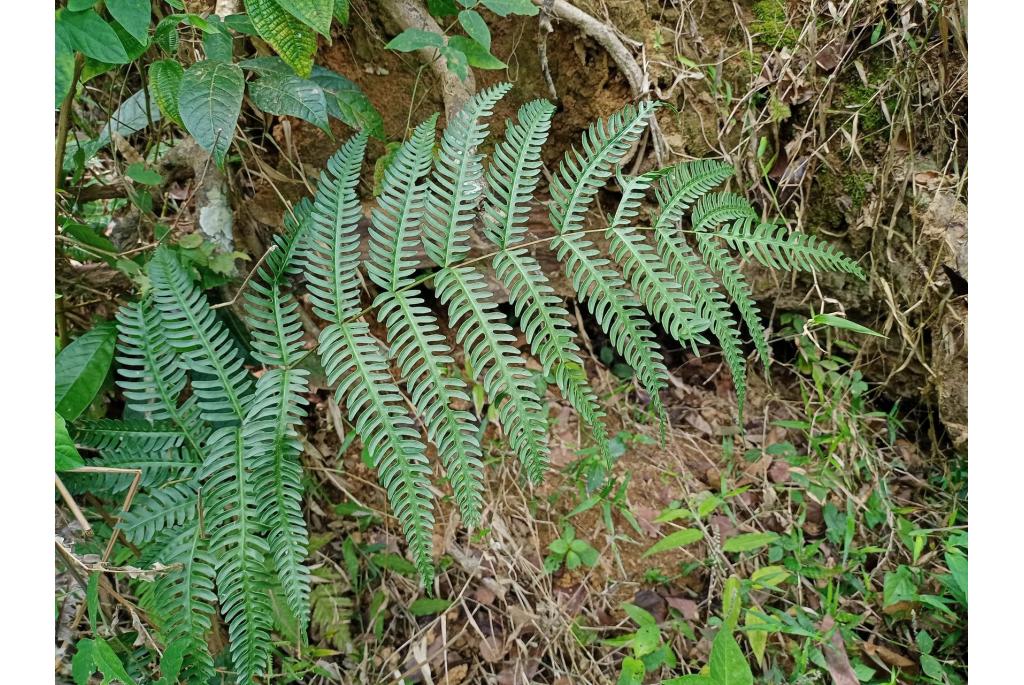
column 158, row 467
column 512, row 178
column 355, row 361
column 183, row 597
column 718, row 208
column 777, row 248
column 332, row 256
column 232, row 519
column 421, row 352
column 456, row 183
column 142, row 436
column 496, row 363
column 202, row 341
column 643, row 268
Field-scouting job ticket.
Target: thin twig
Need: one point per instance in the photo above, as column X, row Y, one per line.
column 64, row 121
column 245, row 283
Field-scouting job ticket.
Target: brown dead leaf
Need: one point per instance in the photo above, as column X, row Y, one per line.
column 455, row 675
column 686, row 607
column 652, row 603
column 492, row 649
column 835, row 656
column 888, row 656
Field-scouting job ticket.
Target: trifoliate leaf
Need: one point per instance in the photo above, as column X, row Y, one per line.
column 414, row 39
column 476, row 54
column 476, row 27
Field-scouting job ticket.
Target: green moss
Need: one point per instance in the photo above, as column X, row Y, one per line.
column 771, row 24
column 856, row 186
column 862, row 99
column 778, row 109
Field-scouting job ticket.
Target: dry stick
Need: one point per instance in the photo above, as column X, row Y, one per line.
column 64, row 121
column 241, row 288
column 75, row 509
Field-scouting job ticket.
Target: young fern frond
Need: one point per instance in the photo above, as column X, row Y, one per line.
column 456, row 183
column 642, row 267
column 232, row 520
column 353, row 358
column 775, row 247
column 201, row 340
column 511, row 180
column 184, row 596
column 375, row 407
column 718, row 208
column 420, row 350
column 158, row 510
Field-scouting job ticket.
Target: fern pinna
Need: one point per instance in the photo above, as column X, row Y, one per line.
column 221, row 505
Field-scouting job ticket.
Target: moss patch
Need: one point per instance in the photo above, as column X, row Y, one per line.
column 772, row 25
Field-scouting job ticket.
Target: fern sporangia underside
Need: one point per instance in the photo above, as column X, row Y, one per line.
column 221, row 503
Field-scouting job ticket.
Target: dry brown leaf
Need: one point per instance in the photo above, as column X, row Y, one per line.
column 835, row 656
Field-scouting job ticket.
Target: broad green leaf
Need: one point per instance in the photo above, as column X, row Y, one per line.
column 87, row 33
column 476, row 27
column 731, row 601
column 66, row 455
column 458, row 64
column 341, row 8
column 64, row 68
column 81, row 368
column 218, row 45
column 728, row 665
column 932, row 667
column 240, row 23
column 289, row 95
column 588, row 555
column 140, row 174
column 758, row 639
column 86, row 235
column 769, row 576
column 109, row 664
column 957, row 564
column 640, row 616
column 316, row 14
column 843, row 323
column 132, row 48
column 82, row 664
column 442, row 8
column 749, row 541
column 345, row 101
column 79, row 5
column 171, row 662
column 289, row 37
column 476, row 54
column 395, row 563
column 426, row 606
column 679, row 538
column 210, row 102
column 133, row 16
column 646, row 640
column 165, row 84
column 692, row 679
column 415, row 39
column 503, row 8
column 633, row 672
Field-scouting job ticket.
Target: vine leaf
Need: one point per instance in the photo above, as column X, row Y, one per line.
column 209, row 104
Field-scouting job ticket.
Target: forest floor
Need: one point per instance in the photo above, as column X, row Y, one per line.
column 840, row 500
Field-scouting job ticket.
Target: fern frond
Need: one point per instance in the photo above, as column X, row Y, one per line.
column 158, row 510
column 202, row 341
column 232, row 519
column 183, row 598
column 616, row 309
column 643, row 268
column 353, row 359
column 394, row 222
column 150, row 374
column 496, row 363
column 580, row 176
column 456, row 184
column 718, row 208
column 291, row 246
column 142, row 436
column 513, row 173
column 332, row 611
column 332, row 257
column 777, row 248
column 273, row 454
column 709, row 301
column 158, row 467
column 683, row 185
column 290, row 38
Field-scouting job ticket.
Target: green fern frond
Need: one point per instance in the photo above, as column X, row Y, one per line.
column 456, row 185
column 158, row 510
column 273, row 454
column 158, row 467
column 777, row 248
column 104, row 434
column 354, row 359
column 616, row 309
column 291, row 246
column 718, row 208
column 151, row 376
column 580, row 176
column 332, row 256
column 290, row 38
column 201, row 340
column 513, row 173
column 232, row 519
column 683, row 185
column 496, row 363
column 183, row 598
column 332, row 611
column 709, row 301
column 394, row 222
column 643, row 269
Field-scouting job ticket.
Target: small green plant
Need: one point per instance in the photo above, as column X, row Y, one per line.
column 570, row 552
column 649, row 650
